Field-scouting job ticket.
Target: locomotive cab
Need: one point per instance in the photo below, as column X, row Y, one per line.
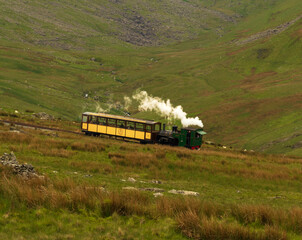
column 186, row 137
column 191, row 137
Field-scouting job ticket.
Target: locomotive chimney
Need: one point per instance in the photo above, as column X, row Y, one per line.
column 174, row 129
column 164, row 127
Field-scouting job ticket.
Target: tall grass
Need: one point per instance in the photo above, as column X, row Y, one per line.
column 195, row 218
column 134, row 159
column 49, row 146
column 194, row 226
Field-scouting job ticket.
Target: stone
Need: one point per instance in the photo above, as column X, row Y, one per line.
column 156, row 190
column 24, row 170
column 209, row 143
column 156, row 181
column 130, row 188
column 184, row 192
column 130, row 179
column 158, row 194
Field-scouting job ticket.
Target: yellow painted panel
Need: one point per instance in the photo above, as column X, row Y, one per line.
column 130, row 133
column 111, row 130
column 120, row 132
column 84, row 126
column 139, row 135
column 148, row 135
column 102, row 129
column 92, row 127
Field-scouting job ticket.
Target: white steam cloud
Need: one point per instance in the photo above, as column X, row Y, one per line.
column 128, row 102
column 99, row 109
column 164, row 109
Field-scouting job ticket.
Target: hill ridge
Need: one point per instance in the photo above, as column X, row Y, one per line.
column 269, row 32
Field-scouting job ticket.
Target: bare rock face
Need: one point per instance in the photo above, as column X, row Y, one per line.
column 24, row 170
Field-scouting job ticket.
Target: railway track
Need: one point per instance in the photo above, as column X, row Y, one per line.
column 39, row 127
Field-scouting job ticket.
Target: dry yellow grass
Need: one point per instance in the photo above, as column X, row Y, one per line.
column 88, row 146
column 134, row 159
column 194, row 226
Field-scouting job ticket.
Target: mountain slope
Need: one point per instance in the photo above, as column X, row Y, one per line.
column 222, row 61
column 88, row 25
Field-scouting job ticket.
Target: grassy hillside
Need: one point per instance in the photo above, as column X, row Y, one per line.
column 98, row 24
column 97, row 188
column 207, row 56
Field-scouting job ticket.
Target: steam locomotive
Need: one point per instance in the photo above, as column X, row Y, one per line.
column 145, row 131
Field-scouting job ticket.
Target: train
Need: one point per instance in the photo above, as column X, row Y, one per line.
column 144, row 131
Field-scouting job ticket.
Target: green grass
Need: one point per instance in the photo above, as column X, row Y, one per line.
column 42, row 223
column 232, row 185
column 229, row 87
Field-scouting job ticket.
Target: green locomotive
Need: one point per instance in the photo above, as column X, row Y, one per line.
column 186, row 137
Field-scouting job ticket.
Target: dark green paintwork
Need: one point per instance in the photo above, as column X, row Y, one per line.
column 189, row 138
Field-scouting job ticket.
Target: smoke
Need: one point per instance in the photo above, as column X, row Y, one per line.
column 164, row 109
column 99, row 109
column 128, row 102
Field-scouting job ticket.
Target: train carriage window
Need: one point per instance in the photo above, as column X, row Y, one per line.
column 197, row 135
column 156, row 127
column 102, row 121
column 148, row 128
column 85, row 119
column 94, row 120
column 121, row 124
column 139, row 127
column 130, row 125
column 112, row 122
column 89, row 119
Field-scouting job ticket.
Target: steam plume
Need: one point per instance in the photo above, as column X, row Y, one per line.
column 164, row 109
column 99, row 109
column 128, row 102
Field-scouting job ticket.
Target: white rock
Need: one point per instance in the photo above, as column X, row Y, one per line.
column 158, row 194
column 130, row 188
column 184, row 192
column 130, row 179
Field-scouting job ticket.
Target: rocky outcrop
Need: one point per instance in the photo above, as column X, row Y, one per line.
column 43, row 116
column 268, row 33
column 24, row 170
